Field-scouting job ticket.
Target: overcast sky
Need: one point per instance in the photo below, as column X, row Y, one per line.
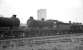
column 63, row 10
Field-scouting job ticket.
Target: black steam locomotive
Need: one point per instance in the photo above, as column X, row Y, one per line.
column 9, row 27
column 45, row 28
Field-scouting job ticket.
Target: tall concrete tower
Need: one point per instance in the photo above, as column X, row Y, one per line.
column 42, row 14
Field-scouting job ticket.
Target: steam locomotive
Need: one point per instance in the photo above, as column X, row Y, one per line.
column 9, row 27
column 45, row 28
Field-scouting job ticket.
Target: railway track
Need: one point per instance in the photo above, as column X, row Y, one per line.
column 34, row 42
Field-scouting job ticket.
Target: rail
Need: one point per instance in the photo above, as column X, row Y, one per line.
column 37, row 41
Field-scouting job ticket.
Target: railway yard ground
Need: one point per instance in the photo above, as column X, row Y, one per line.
column 58, row 42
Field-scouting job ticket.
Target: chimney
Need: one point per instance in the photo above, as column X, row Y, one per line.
column 69, row 22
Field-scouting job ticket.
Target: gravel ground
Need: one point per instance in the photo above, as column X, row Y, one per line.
column 59, row 42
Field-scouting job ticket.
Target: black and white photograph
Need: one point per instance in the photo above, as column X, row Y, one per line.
column 41, row 24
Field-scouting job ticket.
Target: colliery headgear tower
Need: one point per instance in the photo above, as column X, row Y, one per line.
column 42, row 14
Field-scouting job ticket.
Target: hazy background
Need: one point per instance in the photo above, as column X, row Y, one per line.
column 63, row 10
